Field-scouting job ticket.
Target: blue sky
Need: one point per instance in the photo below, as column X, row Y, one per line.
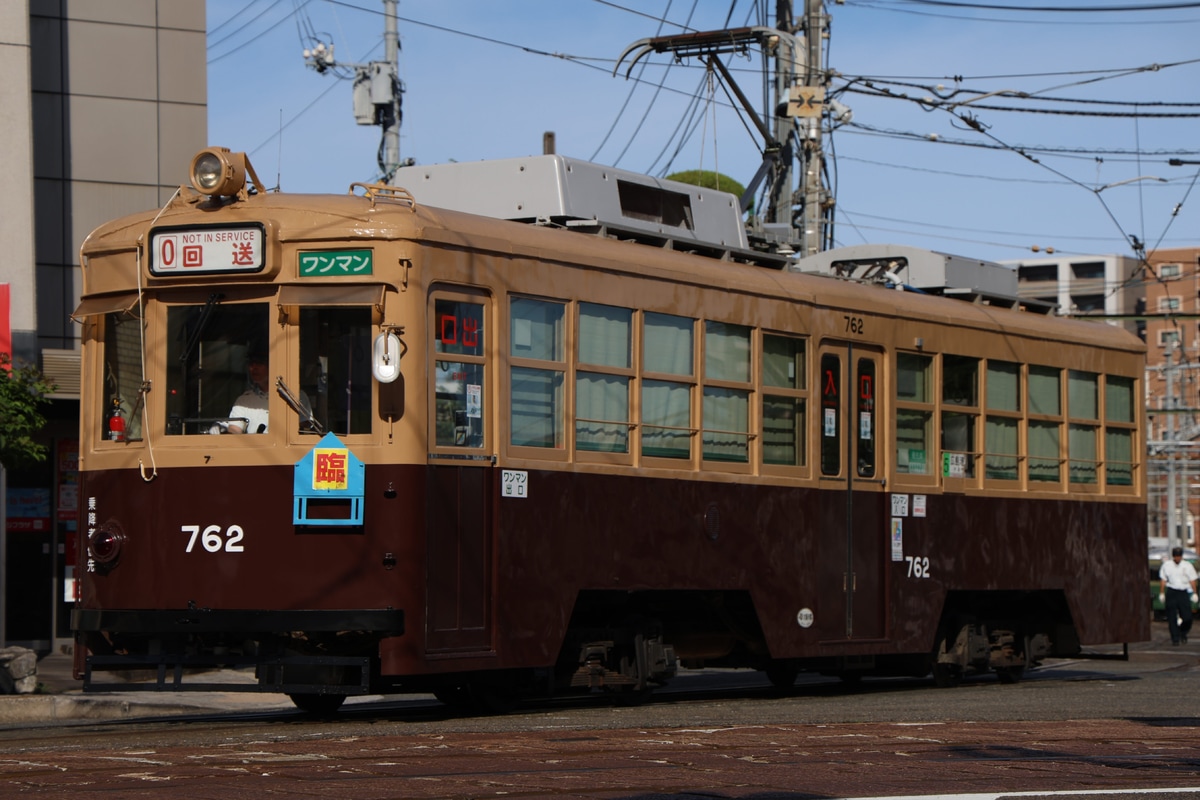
column 486, row 78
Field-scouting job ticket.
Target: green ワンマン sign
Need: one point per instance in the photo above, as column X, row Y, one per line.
column 330, row 263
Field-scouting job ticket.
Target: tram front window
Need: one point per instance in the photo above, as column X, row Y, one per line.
column 335, row 368
column 122, row 377
column 212, row 386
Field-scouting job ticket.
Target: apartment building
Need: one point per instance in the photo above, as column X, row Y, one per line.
column 1158, row 300
column 105, row 102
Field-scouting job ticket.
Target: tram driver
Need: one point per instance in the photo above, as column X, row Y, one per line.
column 249, row 412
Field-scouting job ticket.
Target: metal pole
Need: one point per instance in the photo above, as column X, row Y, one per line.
column 391, row 48
column 1185, row 458
column 780, row 201
column 1172, row 507
column 813, row 154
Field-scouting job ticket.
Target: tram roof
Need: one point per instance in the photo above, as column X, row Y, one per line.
column 336, row 218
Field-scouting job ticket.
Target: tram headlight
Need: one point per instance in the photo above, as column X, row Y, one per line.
column 218, row 172
column 105, row 542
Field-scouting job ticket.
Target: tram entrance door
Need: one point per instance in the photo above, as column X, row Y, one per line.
column 854, row 532
column 458, row 566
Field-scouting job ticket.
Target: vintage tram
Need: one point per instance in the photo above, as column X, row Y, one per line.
column 368, row 443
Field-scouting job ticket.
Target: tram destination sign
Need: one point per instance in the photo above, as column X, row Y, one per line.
column 328, row 263
column 186, row 251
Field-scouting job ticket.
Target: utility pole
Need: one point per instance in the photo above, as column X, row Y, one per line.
column 780, row 199
column 790, row 129
column 1173, row 534
column 812, row 154
column 388, row 112
column 377, row 89
column 800, row 88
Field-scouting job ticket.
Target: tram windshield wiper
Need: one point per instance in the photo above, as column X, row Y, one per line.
column 201, row 324
column 299, row 405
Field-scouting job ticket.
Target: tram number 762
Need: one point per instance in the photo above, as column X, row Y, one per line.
column 212, row 540
column 918, row 566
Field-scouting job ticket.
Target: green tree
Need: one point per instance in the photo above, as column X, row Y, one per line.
column 709, row 180
column 23, row 391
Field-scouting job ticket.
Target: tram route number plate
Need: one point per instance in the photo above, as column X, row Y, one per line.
column 514, row 483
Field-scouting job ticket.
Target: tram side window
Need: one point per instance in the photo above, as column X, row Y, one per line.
column 1001, row 435
column 335, row 368
column 866, row 427
column 914, row 412
column 784, row 397
column 218, row 379
column 1119, row 431
column 960, row 413
column 538, row 368
column 122, row 377
column 726, row 404
column 668, row 349
column 602, row 380
column 831, row 414
column 1083, row 408
column 1045, row 424
column 458, row 373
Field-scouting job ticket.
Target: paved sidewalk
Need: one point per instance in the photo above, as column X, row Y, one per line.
column 61, row 698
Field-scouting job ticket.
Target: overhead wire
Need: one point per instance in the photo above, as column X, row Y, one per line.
column 657, row 90
column 1069, row 10
column 1072, row 9
column 890, row 6
column 690, row 129
column 232, row 17
column 244, row 30
column 1087, row 153
column 633, row 87
column 690, row 121
column 660, row 19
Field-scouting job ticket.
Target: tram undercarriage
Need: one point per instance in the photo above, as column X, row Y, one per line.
column 621, row 644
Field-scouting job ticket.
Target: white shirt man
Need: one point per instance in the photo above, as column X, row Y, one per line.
column 1177, row 590
column 250, row 408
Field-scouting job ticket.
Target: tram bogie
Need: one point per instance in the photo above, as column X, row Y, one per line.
column 372, row 446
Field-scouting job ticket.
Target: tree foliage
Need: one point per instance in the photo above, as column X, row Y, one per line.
column 708, row 179
column 23, row 391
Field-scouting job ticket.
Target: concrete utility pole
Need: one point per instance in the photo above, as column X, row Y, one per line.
column 388, row 111
column 780, row 200
column 800, row 89
column 378, row 90
column 811, row 153
column 790, row 129
column 1174, row 535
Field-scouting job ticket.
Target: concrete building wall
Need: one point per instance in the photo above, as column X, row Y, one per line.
column 119, row 97
column 102, row 106
column 1172, row 300
column 16, row 174
column 1082, row 284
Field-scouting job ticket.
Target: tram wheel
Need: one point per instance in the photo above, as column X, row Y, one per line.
column 319, row 704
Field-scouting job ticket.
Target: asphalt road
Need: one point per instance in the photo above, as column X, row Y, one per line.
column 1072, row 726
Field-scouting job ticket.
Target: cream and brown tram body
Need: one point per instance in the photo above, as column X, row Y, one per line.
column 495, row 458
